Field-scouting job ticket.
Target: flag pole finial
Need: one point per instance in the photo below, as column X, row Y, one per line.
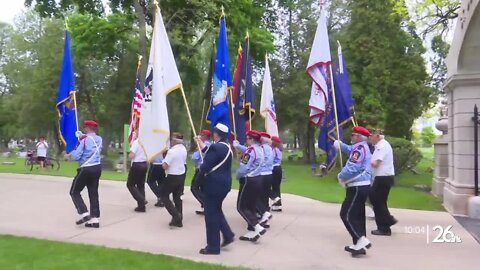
column 223, row 11
column 156, row 4
column 66, row 24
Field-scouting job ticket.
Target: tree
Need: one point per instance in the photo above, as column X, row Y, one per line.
column 387, row 71
column 427, row 136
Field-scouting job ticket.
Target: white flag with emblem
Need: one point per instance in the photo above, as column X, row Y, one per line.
column 318, row 69
column 162, row 78
column 267, row 104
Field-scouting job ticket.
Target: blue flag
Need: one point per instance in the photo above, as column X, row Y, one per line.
column 66, row 106
column 343, row 87
column 328, row 130
column 244, row 97
column 222, row 81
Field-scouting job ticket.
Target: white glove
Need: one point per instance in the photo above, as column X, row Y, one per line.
column 78, row 134
column 236, row 143
column 337, row 144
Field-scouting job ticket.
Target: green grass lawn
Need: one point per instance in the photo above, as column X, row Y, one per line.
column 299, row 181
column 22, row 253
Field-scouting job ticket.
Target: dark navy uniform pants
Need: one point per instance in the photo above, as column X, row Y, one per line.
column 197, row 193
column 276, row 181
column 136, row 181
column 155, row 178
column 379, row 197
column 86, row 177
column 215, row 221
column 248, row 198
column 263, row 204
column 353, row 211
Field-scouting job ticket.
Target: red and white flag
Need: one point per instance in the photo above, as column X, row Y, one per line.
column 318, row 69
column 136, row 108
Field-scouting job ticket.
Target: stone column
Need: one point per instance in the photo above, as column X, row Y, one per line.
column 440, row 148
column 463, row 93
column 463, row 90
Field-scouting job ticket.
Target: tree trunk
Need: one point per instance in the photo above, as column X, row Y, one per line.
column 309, row 156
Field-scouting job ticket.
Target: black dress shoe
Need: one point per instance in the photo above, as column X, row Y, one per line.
column 83, row 220
column 205, row 251
column 254, row 239
column 202, row 213
column 394, row 221
column 381, row 233
column 265, row 225
column 92, row 225
column 227, row 242
column 356, row 253
column 140, row 209
column 160, row 204
column 176, row 222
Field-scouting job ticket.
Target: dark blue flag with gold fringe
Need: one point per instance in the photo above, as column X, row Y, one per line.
column 66, row 104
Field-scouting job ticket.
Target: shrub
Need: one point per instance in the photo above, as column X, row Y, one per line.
column 405, row 154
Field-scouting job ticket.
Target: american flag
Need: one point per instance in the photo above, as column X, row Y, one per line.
column 136, row 107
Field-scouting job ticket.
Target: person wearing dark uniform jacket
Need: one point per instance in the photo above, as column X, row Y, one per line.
column 214, row 179
column 383, row 173
column 175, row 170
column 248, row 173
column 137, row 174
column 197, row 159
column 275, row 194
column 355, row 176
column 88, row 175
column 155, row 178
column 267, row 170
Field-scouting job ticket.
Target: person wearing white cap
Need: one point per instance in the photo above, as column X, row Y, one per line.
column 214, row 179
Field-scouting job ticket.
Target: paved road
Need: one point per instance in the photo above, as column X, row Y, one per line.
column 307, row 235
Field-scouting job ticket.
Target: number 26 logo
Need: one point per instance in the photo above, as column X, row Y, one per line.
column 445, row 235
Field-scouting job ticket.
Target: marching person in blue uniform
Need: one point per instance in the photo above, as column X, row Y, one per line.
column 155, row 178
column 356, row 178
column 197, row 159
column 87, row 154
column 275, row 194
column 267, row 169
column 214, row 179
column 248, row 173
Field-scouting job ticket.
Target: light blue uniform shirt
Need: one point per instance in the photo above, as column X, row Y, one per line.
column 357, row 171
column 158, row 160
column 267, row 166
column 196, row 156
column 89, row 150
column 250, row 164
column 277, row 156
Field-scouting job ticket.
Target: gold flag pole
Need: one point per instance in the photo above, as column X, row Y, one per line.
column 335, row 111
column 201, row 119
column 191, row 120
column 232, row 106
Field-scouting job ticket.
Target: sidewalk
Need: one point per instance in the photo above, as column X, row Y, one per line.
column 307, row 235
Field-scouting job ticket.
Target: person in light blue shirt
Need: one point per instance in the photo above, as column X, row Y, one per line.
column 267, row 169
column 355, row 176
column 197, row 158
column 155, row 177
column 249, row 175
column 275, row 194
column 88, row 154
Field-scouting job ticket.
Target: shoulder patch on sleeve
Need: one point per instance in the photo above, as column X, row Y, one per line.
column 355, row 156
column 245, row 158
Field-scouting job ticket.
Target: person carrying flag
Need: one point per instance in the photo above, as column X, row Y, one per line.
column 275, row 194
column 197, row 159
column 266, row 173
column 88, row 155
column 356, row 177
column 248, row 173
column 214, row 178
